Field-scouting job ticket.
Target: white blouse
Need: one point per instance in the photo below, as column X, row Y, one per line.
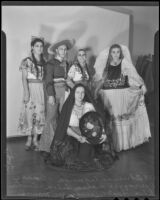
column 75, row 73
column 75, row 117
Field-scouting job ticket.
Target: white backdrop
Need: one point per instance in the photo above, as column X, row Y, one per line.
column 89, row 25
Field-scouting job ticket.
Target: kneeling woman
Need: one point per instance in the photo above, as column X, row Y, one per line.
column 71, row 150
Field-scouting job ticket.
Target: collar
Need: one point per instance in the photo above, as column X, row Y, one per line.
column 58, row 58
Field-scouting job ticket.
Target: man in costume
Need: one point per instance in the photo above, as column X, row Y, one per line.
column 56, row 86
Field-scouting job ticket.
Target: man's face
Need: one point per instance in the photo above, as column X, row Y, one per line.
column 61, row 51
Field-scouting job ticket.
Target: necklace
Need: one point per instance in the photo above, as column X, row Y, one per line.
column 78, row 110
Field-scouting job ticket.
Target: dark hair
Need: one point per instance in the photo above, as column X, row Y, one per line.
column 82, row 50
column 76, row 62
column 105, row 72
column 66, row 111
column 87, row 96
column 41, row 58
column 33, row 42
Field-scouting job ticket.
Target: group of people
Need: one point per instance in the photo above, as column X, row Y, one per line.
column 57, row 95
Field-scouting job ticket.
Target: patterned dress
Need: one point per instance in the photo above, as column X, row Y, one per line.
column 78, row 74
column 32, row 116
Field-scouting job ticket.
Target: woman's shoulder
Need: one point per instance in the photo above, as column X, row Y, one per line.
column 88, row 105
column 26, row 63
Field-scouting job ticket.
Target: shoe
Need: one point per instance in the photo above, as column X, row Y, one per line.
column 35, row 146
column 28, row 148
column 28, row 145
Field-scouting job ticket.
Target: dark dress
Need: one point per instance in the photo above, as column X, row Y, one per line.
column 69, row 154
column 115, row 79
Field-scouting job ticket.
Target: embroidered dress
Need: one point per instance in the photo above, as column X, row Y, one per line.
column 122, row 97
column 32, row 115
column 78, row 74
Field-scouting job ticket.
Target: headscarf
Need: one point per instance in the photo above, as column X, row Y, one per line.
column 127, row 66
column 64, row 118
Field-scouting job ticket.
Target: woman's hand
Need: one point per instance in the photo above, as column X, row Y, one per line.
column 144, row 90
column 51, row 100
column 82, row 139
column 70, row 83
column 103, row 138
column 26, row 98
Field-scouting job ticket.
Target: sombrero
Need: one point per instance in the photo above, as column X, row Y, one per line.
column 69, row 44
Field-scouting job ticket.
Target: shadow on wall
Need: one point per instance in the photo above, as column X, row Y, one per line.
column 120, row 39
column 74, row 31
column 92, row 42
column 47, row 32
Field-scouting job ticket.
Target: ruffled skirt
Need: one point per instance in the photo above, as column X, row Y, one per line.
column 130, row 123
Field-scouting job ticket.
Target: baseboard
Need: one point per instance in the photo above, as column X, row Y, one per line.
column 16, row 137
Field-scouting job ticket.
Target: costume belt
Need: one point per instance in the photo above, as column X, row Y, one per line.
column 35, row 81
column 59, row 82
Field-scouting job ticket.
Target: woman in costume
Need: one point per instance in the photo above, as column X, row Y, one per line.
column 70, row 149
column 32, row 116
column 78, row 72
column 122, row 91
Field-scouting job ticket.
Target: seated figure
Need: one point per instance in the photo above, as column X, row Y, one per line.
column 71, row 147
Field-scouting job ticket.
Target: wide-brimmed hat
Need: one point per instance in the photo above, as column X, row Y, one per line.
column 68, row 43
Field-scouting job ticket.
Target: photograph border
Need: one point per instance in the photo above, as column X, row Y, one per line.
column 4, row 97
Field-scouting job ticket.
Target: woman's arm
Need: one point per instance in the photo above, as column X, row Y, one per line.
column 25, row 85
column 72, row 133
column 134, row 79
column 98, row 87
column 70, row 76
column 69, row 82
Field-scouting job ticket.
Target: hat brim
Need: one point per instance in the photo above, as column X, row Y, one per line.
column 69, row 44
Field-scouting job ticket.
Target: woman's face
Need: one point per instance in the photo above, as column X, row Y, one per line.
column 79, row 94
column 115, row 54
column 81, row 57
column 38, row 48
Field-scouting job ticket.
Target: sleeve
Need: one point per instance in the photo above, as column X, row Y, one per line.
column 24, row 64
column 71, row 72
column 134, row 78
column 88, row 107
column 49, row 72
column 87, row 74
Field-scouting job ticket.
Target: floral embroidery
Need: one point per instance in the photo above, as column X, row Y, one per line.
column 115, row 82
column 30, row 67
column 127, row 116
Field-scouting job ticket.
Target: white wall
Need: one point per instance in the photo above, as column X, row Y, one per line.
column 145, row 23
column 90, row 26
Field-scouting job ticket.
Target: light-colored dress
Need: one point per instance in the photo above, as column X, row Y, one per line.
column 130, row 123
column 32, row 116
column 78, row 113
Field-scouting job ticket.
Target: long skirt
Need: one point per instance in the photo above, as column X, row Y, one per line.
column 130, row 124
column 72, row 155
column 32, row 116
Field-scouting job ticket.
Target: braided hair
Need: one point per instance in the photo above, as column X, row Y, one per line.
column 41, row 56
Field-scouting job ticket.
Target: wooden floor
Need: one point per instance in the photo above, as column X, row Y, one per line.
column 132, row 175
